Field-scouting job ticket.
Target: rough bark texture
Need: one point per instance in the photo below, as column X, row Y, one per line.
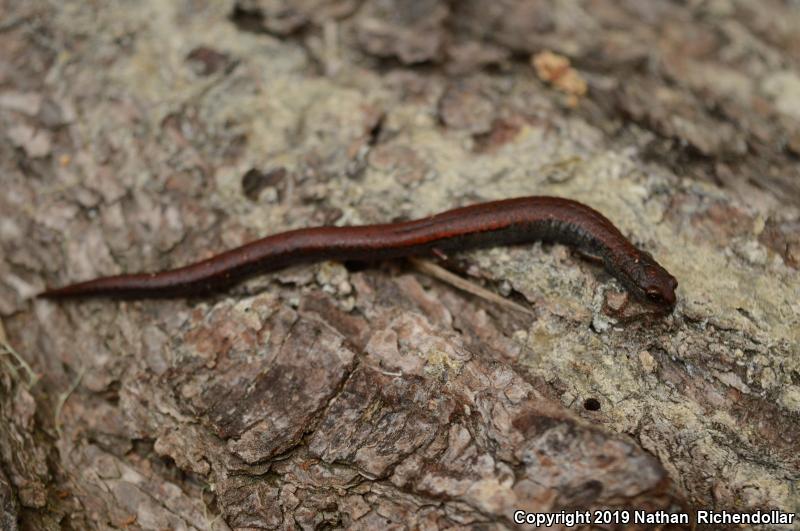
column 145, row 135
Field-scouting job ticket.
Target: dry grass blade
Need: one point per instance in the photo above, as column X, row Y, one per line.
column 440, row 273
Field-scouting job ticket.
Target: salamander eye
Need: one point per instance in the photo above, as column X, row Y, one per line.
column 654, row 295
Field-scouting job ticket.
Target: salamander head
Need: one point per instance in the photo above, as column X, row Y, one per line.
column 651, row 283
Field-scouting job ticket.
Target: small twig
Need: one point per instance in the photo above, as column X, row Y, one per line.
column 454, row 280
column 33, row 378
column 205, row 508
column 62, row 399
column 13, row 23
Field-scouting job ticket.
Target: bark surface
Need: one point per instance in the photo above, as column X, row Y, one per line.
column 139, row 136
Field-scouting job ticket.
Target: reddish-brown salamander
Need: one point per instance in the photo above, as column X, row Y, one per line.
column 511, row 221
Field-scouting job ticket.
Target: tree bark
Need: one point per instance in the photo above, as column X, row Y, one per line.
column 140, row 136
